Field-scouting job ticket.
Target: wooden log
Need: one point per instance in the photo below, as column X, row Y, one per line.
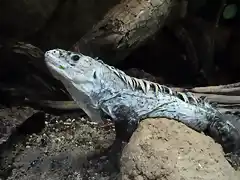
column 227, row 89
column 126, row 26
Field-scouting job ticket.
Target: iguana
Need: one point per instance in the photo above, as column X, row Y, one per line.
column 100, row 89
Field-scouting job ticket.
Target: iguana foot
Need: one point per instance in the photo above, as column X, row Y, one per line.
column 113, row 153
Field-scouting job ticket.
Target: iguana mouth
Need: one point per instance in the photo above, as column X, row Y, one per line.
column 56, row 66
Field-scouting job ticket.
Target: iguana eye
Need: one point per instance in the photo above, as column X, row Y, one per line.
column 75, row 57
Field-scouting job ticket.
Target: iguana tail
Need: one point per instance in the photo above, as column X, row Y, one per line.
column 225, row 129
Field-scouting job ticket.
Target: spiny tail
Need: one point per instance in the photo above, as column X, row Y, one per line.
column 225, row 129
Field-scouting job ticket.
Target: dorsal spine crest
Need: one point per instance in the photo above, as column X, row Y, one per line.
column 145, row 86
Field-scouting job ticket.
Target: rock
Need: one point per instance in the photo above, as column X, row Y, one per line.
column 168, row 150
column 10, row 118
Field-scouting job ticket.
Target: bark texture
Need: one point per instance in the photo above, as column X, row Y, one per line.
column 125, row 27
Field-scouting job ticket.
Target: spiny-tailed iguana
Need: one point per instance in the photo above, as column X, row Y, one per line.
column 102, row 89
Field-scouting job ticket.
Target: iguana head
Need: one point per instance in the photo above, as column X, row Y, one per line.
column 80, row 74
column 71, row 66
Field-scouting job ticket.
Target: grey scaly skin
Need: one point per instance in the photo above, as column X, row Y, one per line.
column 102, row 89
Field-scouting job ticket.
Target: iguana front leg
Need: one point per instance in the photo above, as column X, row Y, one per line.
column 125, row 122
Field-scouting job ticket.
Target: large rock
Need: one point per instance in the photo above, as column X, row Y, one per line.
column 168, row 150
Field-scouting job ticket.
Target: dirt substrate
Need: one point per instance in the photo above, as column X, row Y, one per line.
column 57, row 152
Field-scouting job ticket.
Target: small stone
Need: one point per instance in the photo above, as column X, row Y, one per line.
column 69, row 137
column 93, row 123
column 139, row 177
column 38, row 140
column 83, row 119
